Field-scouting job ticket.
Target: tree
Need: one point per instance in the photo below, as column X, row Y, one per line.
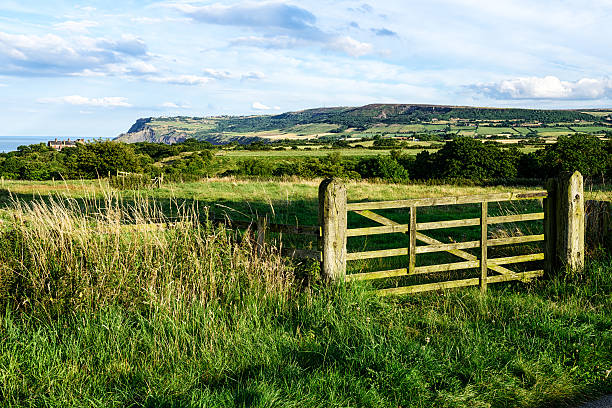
column 585, row 153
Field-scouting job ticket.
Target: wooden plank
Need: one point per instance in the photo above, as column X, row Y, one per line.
column 483, row 246
column 377, row 275
column 378, row 218
column 522, row 276
column 417, row 271
column 261, row 233
column 294, row 229
column 446, row 247
column 232, row 223
column 428, row 240
column 516, row 218
column 432, row 201
column 517, row 259
column 301, row 253
column 453, row 266
column 515, row 240
column 468, row 222
column 413, row 230
column 448, row 224
column 428, row 287
column 386, row 229
column 382, row 253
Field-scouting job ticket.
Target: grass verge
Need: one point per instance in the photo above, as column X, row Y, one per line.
column 190, row 316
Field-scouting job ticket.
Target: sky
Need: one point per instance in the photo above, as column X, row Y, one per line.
column 89, row 68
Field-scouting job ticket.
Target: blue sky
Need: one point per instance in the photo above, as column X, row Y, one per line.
column 92, row 68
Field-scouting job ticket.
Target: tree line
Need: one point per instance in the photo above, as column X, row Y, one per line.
column 462, row 158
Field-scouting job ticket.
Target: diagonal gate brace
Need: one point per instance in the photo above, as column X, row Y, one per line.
column 432, row 241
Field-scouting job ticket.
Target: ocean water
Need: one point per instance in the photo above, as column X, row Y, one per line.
column 10, row 143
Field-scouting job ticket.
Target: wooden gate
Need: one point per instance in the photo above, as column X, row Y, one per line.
column 416, row 233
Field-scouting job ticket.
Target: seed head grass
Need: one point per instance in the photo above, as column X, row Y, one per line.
column 108, row 301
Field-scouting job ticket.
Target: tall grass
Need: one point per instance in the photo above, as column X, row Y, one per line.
column 97, row 313
column 66, row 256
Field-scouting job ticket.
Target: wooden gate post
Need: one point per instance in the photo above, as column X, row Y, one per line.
column 332, row 220
column 569, row 197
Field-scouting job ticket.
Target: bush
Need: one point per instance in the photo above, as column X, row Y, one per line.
column 383, row 167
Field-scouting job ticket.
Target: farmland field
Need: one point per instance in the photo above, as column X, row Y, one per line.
column 193, row 317
column 483, row 130
column 592, row 129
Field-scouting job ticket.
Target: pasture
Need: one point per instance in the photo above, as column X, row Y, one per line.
column 193, row 316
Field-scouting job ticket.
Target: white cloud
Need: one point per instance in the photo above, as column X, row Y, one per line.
column 146, row 20
column 175, row 105
column 82, row 26
column 549, row 87
column 157, row 20
column 52, row 55
column 276, row 42
column 260, row 106
column 218, row 74
column 350, row 46
column 88, row 9
column 181, row 79
column 78, row 100
column 254, row 75
column 141, row 67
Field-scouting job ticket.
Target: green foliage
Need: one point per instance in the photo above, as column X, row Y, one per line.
column 192, row 317
column 586, row 153
column 467, row 158
column 93, row 160
column 382, row 167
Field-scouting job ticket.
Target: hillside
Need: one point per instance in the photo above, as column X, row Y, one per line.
column 355, row 122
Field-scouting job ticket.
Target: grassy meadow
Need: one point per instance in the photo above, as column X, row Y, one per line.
column 92, row 314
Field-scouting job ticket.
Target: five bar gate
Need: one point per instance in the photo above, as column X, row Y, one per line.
column 563, row 237
column 415, row 231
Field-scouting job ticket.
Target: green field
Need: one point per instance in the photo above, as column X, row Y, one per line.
column 313, row 152
column 484, row 130
column 191, row 316
column 599, row 113
column 593, row 129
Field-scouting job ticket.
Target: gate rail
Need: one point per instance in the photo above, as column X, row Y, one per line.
column 432, row 245
column 563, row 219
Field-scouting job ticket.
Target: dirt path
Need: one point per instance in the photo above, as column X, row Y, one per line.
column 605, row 402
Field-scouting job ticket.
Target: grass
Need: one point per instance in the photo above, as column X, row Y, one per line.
column 191, row 316
column 484, row 130
column 316, row 152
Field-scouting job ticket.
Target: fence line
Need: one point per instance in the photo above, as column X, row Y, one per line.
column 563, row 220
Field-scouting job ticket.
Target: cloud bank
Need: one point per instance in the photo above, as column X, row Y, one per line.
column 52, row 55
column 78, row 100
column 549, row 87
column 282, row 26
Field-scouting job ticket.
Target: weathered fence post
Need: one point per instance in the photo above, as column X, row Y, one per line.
column 570, row 220
column 261, row 233
column 564, row 223
column 332, row 220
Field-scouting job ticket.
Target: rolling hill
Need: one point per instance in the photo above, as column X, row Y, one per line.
column 346, row 122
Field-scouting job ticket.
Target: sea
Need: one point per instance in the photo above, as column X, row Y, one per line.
column 10, row 143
